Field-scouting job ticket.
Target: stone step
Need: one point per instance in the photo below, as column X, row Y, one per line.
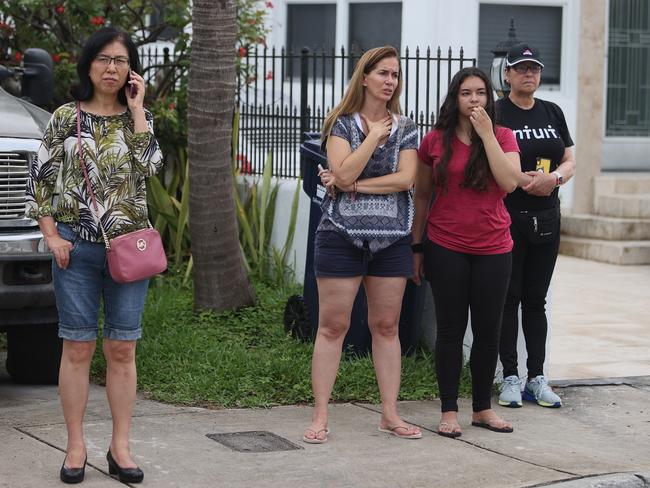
column 626, row 206
column 622, row 183
column 616, row 252
column 605, row 228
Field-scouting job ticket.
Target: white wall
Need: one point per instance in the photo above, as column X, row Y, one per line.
column 298, row 251
column 455, row 24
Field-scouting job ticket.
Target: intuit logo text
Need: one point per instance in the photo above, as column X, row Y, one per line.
column 541, row 133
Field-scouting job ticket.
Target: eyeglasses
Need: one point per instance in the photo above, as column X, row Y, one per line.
column 121, row 62
column 523, row 68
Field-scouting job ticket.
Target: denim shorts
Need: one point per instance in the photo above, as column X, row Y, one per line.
column 335, row 256
column 80, row 288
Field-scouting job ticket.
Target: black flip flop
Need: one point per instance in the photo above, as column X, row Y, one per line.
column 451, row 435
column 485, row 425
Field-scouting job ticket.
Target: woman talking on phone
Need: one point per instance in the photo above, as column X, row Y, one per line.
column 119, row 151
column 364, row 234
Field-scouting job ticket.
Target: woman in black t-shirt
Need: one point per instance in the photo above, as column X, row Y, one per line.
column 547, row 158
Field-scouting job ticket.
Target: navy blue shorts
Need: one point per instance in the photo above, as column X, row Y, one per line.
column 335, row 256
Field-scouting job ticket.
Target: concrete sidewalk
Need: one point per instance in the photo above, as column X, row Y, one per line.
column 600, row 437
column 600, row 320
column 601, row 430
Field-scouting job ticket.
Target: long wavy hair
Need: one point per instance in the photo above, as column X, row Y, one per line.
column 355, row 94
column 477, row 171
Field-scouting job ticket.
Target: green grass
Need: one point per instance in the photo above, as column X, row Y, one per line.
column 244, row 359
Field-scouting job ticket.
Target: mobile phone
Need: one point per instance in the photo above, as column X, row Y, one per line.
column 133, row 90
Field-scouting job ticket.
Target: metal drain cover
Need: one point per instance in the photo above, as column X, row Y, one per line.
column 254, row 441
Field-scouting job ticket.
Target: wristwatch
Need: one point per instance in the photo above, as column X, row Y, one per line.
column 417, row 247
column 558, row 178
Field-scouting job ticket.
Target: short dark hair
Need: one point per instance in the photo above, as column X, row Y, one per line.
column 84, row 89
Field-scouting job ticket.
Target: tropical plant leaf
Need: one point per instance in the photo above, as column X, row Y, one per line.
column 291, row 231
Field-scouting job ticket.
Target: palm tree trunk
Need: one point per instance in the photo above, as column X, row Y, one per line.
column 220, row 280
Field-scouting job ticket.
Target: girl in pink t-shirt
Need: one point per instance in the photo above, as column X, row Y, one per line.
column 472, row 165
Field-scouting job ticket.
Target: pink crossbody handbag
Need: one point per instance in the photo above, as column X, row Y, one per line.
column 131, row 257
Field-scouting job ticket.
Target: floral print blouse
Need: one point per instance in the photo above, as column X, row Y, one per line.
column 118, row 161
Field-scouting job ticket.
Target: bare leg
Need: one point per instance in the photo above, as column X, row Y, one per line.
column 73, row 390
column 121, row 379
column 335, row 299
column 384, row 307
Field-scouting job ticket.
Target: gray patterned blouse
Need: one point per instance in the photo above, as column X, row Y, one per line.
column 373, row 221
column 118, row 161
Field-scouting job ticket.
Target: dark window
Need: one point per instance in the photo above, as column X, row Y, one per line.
column 312, row 26
column 628, row 93
column 539, row 26
column 373, row 25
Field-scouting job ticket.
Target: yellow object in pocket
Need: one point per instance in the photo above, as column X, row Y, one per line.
column 543, row 165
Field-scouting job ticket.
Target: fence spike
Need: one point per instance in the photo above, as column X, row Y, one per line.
column 278, row 121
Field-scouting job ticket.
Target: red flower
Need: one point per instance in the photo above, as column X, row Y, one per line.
column 6, row 27
column 242, row 52
column 269, row 75
column 59, row 9
column 18, row 56
column 97, row 20
column 56, row 58
column 269, row 5
column 172, row 106
column 244, row 165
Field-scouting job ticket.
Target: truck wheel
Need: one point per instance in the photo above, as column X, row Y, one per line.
column 34, row 354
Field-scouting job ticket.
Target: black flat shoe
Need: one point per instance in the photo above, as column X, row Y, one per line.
column 125, row 475
column 73, row 475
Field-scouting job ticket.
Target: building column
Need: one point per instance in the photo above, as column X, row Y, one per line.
column 590, row 130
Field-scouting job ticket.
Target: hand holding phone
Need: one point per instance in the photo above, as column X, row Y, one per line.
column 133, row 89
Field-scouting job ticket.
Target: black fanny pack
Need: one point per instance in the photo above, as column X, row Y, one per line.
column 539, row 226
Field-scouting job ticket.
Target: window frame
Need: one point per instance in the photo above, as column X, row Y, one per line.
column 564, row 45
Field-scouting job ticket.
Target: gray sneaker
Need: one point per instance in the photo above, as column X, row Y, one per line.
column 538, row 391
column 510, row 392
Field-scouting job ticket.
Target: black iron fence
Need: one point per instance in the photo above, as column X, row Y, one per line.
column 160, row 69
column 283, row 94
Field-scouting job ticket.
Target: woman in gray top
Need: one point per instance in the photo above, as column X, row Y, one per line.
column 364, row 234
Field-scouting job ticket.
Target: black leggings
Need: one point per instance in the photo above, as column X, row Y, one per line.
column 532, row 269
column 460, row 282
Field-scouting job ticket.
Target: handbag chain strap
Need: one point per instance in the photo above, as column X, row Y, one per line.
column 87, row 179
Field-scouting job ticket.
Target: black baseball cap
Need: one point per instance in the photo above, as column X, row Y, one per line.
column 521, row 53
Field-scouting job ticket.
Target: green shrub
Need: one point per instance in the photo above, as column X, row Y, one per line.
column 245, row 359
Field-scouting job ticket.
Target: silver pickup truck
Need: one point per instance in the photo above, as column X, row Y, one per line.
column 27, row 307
